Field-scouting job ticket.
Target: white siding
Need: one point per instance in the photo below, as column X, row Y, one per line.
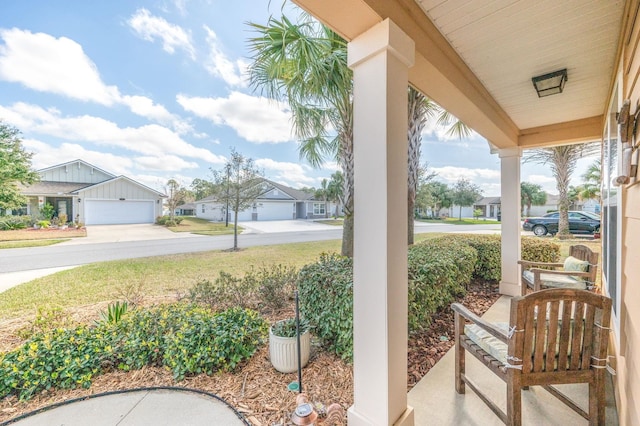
column 210, row 211
column 75, row 172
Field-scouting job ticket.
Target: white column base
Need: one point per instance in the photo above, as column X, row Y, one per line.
column 355, row 419
column 509, row 289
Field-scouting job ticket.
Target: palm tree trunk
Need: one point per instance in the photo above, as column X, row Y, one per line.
column 417, row 120
column 345, row 157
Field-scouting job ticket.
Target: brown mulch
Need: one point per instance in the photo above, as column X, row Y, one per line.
column 260, row 392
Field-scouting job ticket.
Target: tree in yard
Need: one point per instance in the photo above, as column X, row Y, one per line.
column 464, row 194
column 238, row 186
column 592, row 177
column 531, row 195
column 436, row 196
column 202, row 188
column 562, row 160
column 334, row 190
column 176, row 196
column 15, row 167
column 305, row 64
column 421, row 109
column 322, row 193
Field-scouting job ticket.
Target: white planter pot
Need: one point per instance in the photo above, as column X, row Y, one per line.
column 283, row 351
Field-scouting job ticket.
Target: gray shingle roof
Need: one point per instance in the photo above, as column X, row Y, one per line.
column 53, row 188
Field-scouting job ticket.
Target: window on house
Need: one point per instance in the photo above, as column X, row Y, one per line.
column 318, row 208
column 203, row 208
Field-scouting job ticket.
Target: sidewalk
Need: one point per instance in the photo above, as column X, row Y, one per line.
column 155, row 407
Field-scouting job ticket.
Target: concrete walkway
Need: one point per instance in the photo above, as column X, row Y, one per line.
column 139, row 408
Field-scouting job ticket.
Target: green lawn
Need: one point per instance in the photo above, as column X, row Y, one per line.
column 41, row 234
column 154, row 276
column 455, row 221
column 29, row 243
column 334, row 222
column 203, row 227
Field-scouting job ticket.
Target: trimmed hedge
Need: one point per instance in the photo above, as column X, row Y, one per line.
column 325, row 289
column 439, row 270
column 535, row 249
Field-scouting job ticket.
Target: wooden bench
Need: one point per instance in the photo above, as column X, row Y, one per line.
column 554, row 336
column 580, row 274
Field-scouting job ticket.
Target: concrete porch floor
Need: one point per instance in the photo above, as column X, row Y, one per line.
column 436, row 402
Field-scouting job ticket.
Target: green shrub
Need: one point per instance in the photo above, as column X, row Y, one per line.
column 61, row 358
column 439, row 269
column 276, row 286
column 44, row 224
column 186, row 339
column 287, row 327
column 178, row 219
column 535, row 249
column 8, row 223
column 202, row 343
column 488, row 246
column 115, row 312
column 326, row 301
column 227, row 291
column 47, row 211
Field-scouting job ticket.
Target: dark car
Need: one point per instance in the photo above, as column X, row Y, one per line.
column 579, row 223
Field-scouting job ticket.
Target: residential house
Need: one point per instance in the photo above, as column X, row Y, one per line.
column 277, row 202
column 479, row 60
column 88, row 194
column 186, row 209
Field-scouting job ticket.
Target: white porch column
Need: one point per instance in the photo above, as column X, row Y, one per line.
column 380, row 59
column 511, row 227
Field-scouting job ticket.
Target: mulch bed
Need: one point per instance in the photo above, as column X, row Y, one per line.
column 257, row 390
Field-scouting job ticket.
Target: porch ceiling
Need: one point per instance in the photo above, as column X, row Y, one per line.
column 477, row 57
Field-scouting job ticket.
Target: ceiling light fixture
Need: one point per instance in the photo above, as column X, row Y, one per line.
column 550, row 84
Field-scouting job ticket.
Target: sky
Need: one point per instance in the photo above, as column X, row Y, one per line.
column 157, row 90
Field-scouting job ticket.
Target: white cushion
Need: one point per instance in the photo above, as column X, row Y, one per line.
column 556, row 281
column 487, row 342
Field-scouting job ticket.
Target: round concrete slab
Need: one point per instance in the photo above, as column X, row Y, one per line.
column 145, row 407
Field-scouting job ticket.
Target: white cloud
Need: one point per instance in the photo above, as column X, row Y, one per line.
column 55, row 65
column 164, row 163
column 255, row 119
column 452, row 174
column 150, row 27
column 47, row 155
column 219, row 65
column 151, row 140
column 548, row 183
column 291, row 174
column 44, row 63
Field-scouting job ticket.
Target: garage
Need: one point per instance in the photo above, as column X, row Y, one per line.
column 110, row 212
column 276, row 211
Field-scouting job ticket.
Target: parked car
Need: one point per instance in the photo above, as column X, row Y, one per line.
column 579, row 223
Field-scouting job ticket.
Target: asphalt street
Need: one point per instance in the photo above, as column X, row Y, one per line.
column 61, row 255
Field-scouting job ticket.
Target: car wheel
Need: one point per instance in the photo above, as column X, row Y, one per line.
column 539, row 230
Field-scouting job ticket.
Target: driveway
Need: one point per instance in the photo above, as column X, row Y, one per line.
column 133, row 232
column 271, row 226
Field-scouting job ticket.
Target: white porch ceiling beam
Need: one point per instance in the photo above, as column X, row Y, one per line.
column 577, row 131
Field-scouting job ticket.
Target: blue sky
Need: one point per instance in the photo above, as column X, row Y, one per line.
column 156, row 90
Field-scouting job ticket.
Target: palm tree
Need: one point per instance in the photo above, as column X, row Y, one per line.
column 562, row 160
column 305, row 64
column 531, row 194
column 421, row 109
column 592, row 177
column 334, row 190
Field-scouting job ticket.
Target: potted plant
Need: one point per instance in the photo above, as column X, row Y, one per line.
column 283, row 347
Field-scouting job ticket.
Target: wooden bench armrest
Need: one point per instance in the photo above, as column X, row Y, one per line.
column 487, row 326
column 537, row 271
column 529, row 263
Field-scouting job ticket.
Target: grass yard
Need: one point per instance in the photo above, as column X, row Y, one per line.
column 465, row 221
column 29, row 243
column 203, row 227
column 153, row 276
column 334, row 222
column 41, row 234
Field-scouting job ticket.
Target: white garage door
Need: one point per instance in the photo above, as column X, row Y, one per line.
column 275, row 211
column 268, row 211
column 112, row 212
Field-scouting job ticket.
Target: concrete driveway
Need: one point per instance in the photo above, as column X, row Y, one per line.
column 133, row 232
column 269, row 226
